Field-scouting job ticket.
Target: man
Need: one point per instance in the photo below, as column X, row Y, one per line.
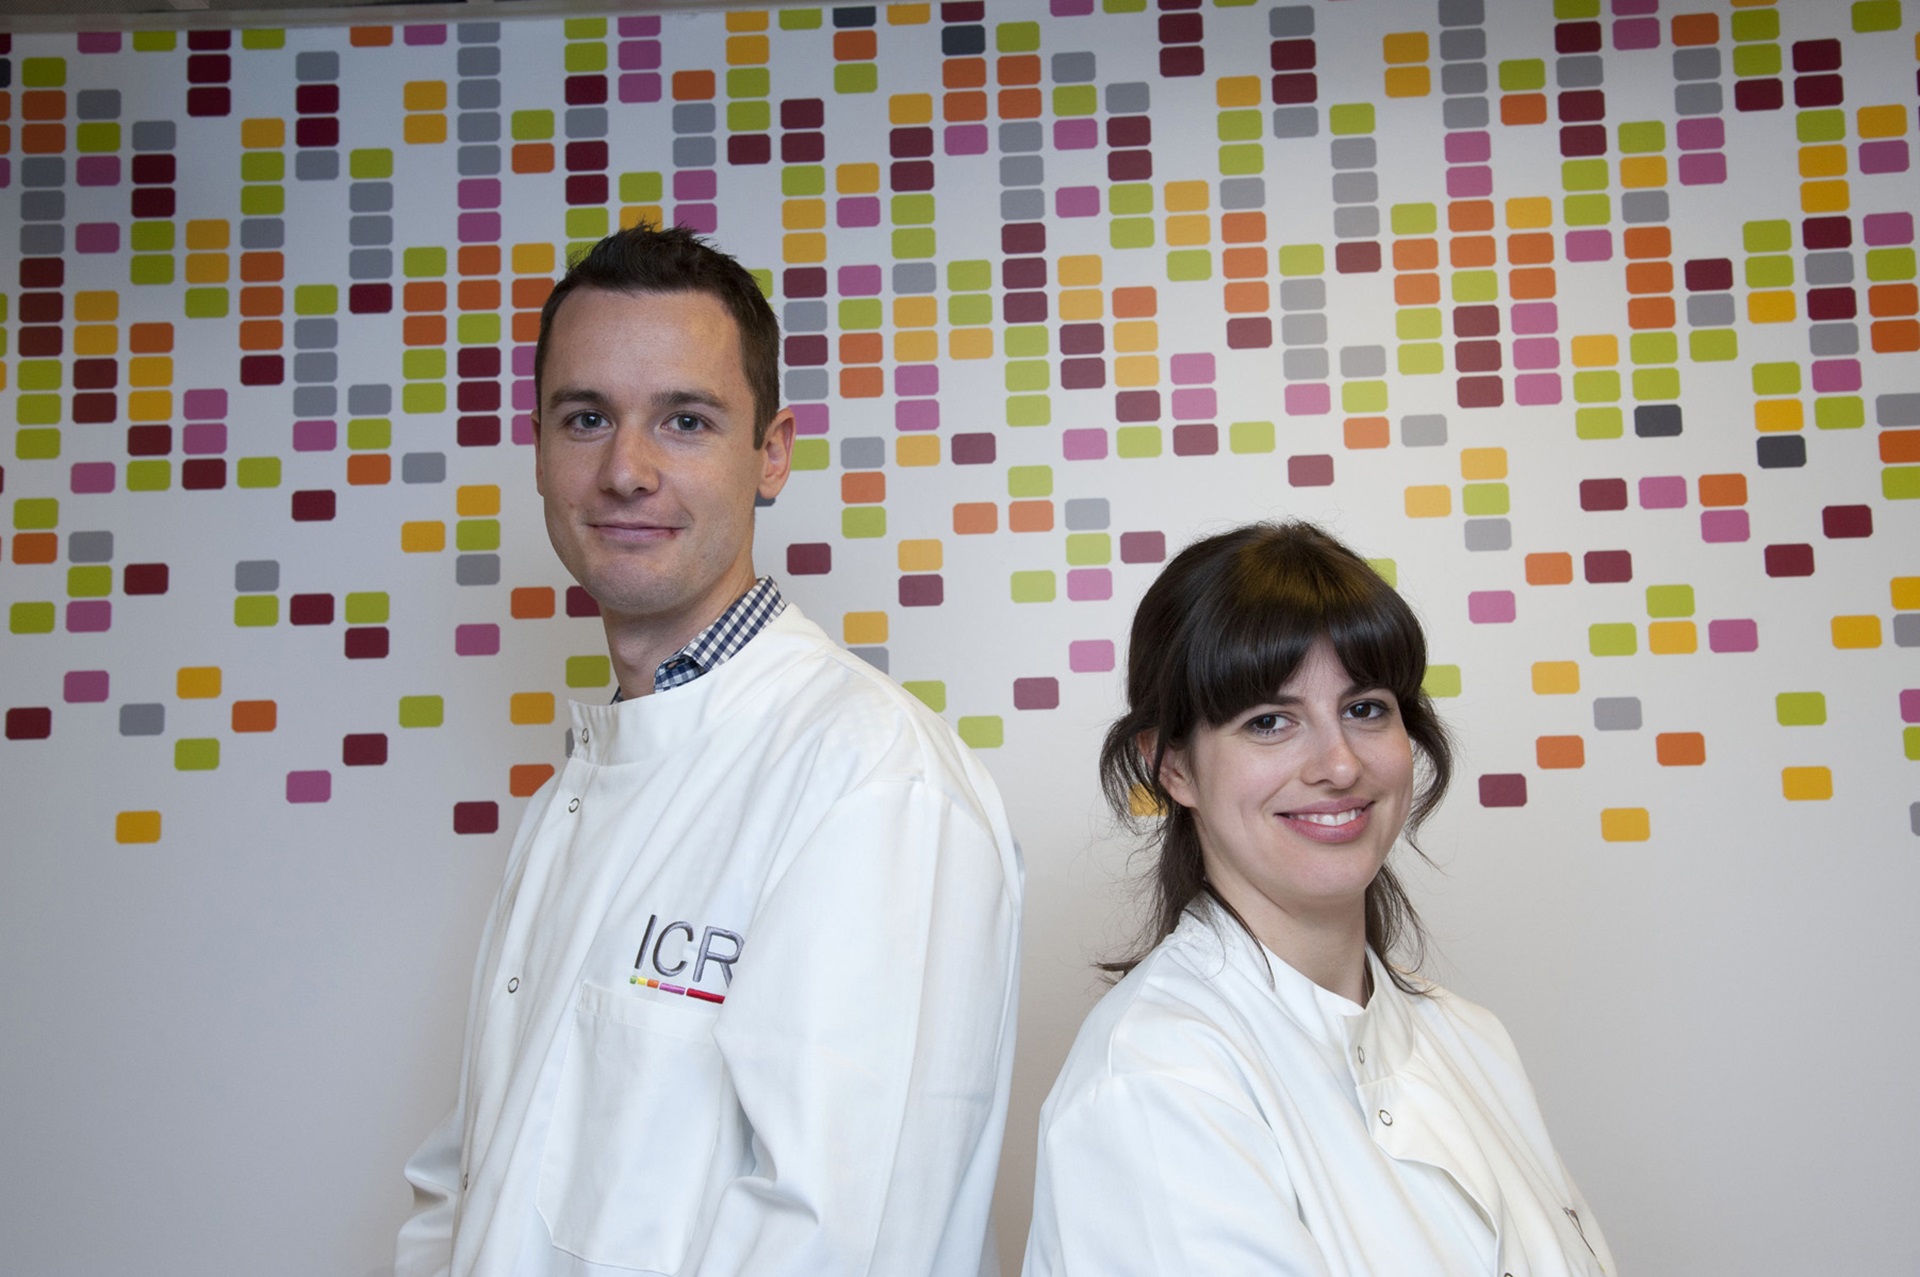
column 745, row 1004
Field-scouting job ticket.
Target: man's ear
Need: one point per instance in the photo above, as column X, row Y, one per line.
column 1175, row 769
column 539, row 473
column 777, row 450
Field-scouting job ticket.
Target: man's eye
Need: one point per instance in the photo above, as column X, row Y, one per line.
column 685, row 422
column 587, row 421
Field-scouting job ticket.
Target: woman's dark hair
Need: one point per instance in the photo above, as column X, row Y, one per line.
column 1224, row 626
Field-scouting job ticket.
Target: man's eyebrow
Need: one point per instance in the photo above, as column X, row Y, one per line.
column 577, row 395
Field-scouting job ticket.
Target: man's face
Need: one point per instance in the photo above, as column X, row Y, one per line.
column 643, row 450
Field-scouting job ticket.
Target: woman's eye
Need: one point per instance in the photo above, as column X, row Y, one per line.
column 1264, row 724
column 1368, row 709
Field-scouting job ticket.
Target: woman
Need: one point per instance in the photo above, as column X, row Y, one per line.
column 1265, row 1092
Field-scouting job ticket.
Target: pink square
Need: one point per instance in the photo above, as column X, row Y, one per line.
column 1094, row 656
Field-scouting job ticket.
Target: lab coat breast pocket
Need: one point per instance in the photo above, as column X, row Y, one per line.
column 634, row 1128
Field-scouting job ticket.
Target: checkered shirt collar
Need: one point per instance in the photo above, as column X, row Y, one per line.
column 721, row 641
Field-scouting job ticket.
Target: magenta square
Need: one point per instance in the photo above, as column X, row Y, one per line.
column 1308, row 399
column 640, row 86
column 478, row 228
column 204, row 438
column 98, row 41
column 639, row 55
column 1536, row 352
column 696, row 184
column 96, row 237
column 701, row 219
column 1143, row 547
column 1469, row 182
column 91, row 477
column 1070, row 8
column 476, row 640
column 1077, row 135
column 1703, row 168
column 1888, row 155
column 1137, row 405
column 1077, row 201
column 916, row 414
column 1089, row 584
column 640, row 25
column 1701, row 133
column 523, row 361
column 965, row 139
column 1733, row 636
column 916, row 379
column 1723, row 526
column 1589, row 246
column 1193, row 404
column 314, row 436
column 1535, row 388
column 860, row 281
column 204, row 405
column 1663, row 492
column 1836, row 376
column 1085, row 444
column 1636, row 33
column 1469, row 147
column 1909, row 700
column 1036, row 693
column 1311, row 470
column 520, row 396
column 1535, row 317
column 478, row 192
column 809, row 418
column 1095, row 656
column 89, row 687
column 1191, row 370
column 89, row 616
column 522, row 429
column 309, row 787
column 857, row 211
column 1490, row 607
column 922, row 589
column 1503, row 789
column 104, row 170
column 424, row 33
column 1881, row 229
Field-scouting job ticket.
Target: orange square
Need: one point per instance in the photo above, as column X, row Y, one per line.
column 1650, row 277
column 862, row 348
column 971, row 518
column 369, row 469
column 855, row 46
column 1247, row 297
column 1899, row 447
column 370, row 37
column 43, row 104
column 533, row 157
column 530, row 292
column 424, row 295
column 1243, row 263
column 525, row 779
column 1649, row 312
column 1467, row 216
column 1020, row 104
column 424, row 330
column 36, row 547
column 531, row 602
column 1893, row 335
column 1691, row 29
column 150, row 339
column 1886, row 300
column 261, row 334
column 1469, row 251
column 1530, row 248
column 963, row 106
column 862, row 382
column 1416, row 290
column 526, row 326
column 863, row 487
column 1030, row 516
column 1647, row 241
column 257, row 268
column 964, row 73
column 1680, row 749
column 262, row 299
column 1243, row 228
column 1523, row 108
column 1532, row 282
column 1558, row 753
column 479, row 259
column 1719, row 490
column 1135, row 303
column 1366, row 432
column 693, row 86
column 479, row 294
column 1422, row 253
column 1550, row 568
column 255, row 716
column 1021, row 68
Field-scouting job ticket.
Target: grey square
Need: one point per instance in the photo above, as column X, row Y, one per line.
column 874, row 656
column 1423, row 430
column 808, row 385
column 1585, row 71
column 1697, row 99
column 315, row 66
column 1462, row 13
column 146, row 719
column 1130, row 97
column 1710, row 310
column 1363, row 361
column 1906, row 629
column 97, row 104
column 1831, row 339
column 256, row 576
column 315, row 401
column 43, row 171
column 1308, row 328
column 1462, row 45
column 477, row 95
column 476, row 569
column 805, row 317
column 1242, row 192
column 90, row 547
column 1353, row 152
column 1464, row 113
column 1087, row 514
column 1290, row 22
column 694, row 152
column 152, row 135
column 1020, row 136
column 1463, row 77
column 477, row 33
column 586, row 121
column 1303, row 294
column 43, row 240
column 1829, row 268
column 1696, row 64
column 1913, row 817
column 423, row 467
column 1304, row 363
column 863, row 452
column 478, row 63
column 369, row 229
column 1897, row 410
column 1489, row 534
column 1026, row 205
column 369, row 399
column 1356, row 188
column 1656, row 420
column 484, row 161
column 370, row 263
column 912, row 279
column 316, row 166
column 1022, row 170
column 478, row 126
column 43, row 206
column 1356, row 221
column 1296, row 121
column 370, row 197
column 693, row 117
column 1073, row 68
column 316, row 334
column 1640, row 208
column 263, row 232
column 1616, row 713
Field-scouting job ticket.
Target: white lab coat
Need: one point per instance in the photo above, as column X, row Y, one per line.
column 1221, row 1114
column 745, row 1004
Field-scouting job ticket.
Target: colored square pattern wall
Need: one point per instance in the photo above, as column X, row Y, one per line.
column 1594, row 321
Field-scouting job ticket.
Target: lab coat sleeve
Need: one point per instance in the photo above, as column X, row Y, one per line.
column 869, row 1038
column 425, row 1248
column 1142, row 1175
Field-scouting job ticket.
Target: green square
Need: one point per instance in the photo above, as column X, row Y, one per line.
column 1128, row 199
column 1240, row 126
column 41, row 374
column 1350, row 119
column 367, row 607
column 1889, row 264
column 589, row 223
column 1596, row 385
column 1616, row 639
column 1654, row 348
column 151, row 237
column 749, row 116
column 1584, row 175
column 1523, row 75
column 1910, row 741
column 1441, row 681
column 1250, row 437
column 1029, row 481
column 1387, row 570
column 1565, row 9
column 1774, row 236
column 811, row 454
column 641, row 188
column 1642, row 137
column 1414, row 219
column 431, row 711
column 1876, row 15
column 931, row 692
column 1418, row 323
column 1029, row 410
column 425, row 261
column 969, row 310
column 1669, row 601
column 1713, row 345
column 43, row 73
column 749, row 82
column 1422, row 359
column 1819, row 126
column 97, row 137
column 1027, row 341
column 1303, row 259
column 1756, row 24
column 205, row 303
column 370, row 164
column 1598, row 423
column 257, row 472
column 196, row 754
column 1242, row 159
column 263, row 201
column 911, row 210
column 1033, row 587
column 263, row 38
column 476, row 535
column 1017, row 37
column 1124, row 6
column 1131, row 232
column 1776, row 379
column 153, row 41
column 149, row 268
column 1363, row 397
column 855, row 77
column 1656, row 385
column 149, row 474
column 481, row 328
column 1187, row 265
column 982, row 731
column 423, row 363
column 1089, row 549
column 37, row 445
column 1476, row 286
column 423, row 397
column 1028, row 374
column 89, row 581
column 800, row 19
column 1900, row 483
column 263, row 166
column 31, row 618
column 37, row 410
column 1586, row 210
column 1075, row 99
column 914, row 243
column 584, row 59
column 531, row 126
column 1800, row 709
column 969, row 276
column 316, row 299
column 1756, row 60
column 585, row 28
column 862, row 314
column 1137, row 441
column 859, row 522
column 1482, row 500
column 1839, row 412
column 256, row 611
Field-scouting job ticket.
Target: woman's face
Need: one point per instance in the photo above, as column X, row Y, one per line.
column 1298, row 801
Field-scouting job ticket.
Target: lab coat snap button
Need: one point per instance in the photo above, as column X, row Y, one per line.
column 1386, row 1118
column 513, row 985
column 573, row 804
column 585, row 736
column 1361, row 1051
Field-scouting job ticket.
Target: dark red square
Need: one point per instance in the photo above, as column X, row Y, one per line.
column 803, row 113
column 316, row 131
column 1583, row 139
column 1129, row 166
column 149, row 441
column 586, row 90
column 477, row 432
column 909, row 143
column 203, row 474
column 1818, row 90
column 1608, row 567
column 1249, row 332
column 1842, row 521
column 911, row 175
column 1087, row 373
column 1826, row 232
column 1314, row 470
column 1295, row 88
column 29, row 722
column 1503, row 789
column 364, row 749
column 1603, row 494
column 1024, row 308
column 1582, row 104
column 1137, row 405
column 1196, row 439
column 317, row 99
column 580, row 603
column 262, row 370
column 804, row 281
column 749, row 148
column 1023, row 237
column 209, row 102
column 1709, row 274
column 310, row 609
column 975, row 450
column 922, row 589
column 1357, row 257
column 1476, row 321
column 1143, row 547
column 370, row 299
column 809, row 558
column 1036, row 693
column 1758, row 95
column 1294, row 55
column 365, row 643
column 476, row 818
column 808, row 350
column 1480, row 392
column 803, row 148
column 1789, row 560
column 313, row 505
column 587, row 188
column 144, row 578
column 1083, row 339
column 1183, row 60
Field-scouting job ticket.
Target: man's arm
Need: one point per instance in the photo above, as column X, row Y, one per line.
column 425, row 1247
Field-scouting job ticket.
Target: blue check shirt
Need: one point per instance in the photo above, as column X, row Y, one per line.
column 721, row 641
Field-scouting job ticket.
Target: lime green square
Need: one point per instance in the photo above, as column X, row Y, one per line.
column 642, row 188
column 588, row 223
column 1188, row 265
column 1387, row 570
column 256, row 611
column 1665, row 602
column 263, row 166
column 1414, row 219
column 423, row 362
column 1441, row 681
column 1876, row 15
column 1596, row 385
column 31, row 618
column 205, row 303
column 40, row 444
column 316, row 299
column 1523, row 75
column 1482, row 500
column 1654, row 348
column 263, row 201
column 1033, row 587
column 1029, row 410
column 861, row 314
column 1249, row 437
column 1124, row 6
column 1800, row 709
column 914, row 243
column 1017, row 37
column 1900, row 483
column 153, row 41
column 1350, row 119
column 367, row 607
column 1127, row 199
column 812, row 454
column 1756, row 60
column 969, row 276
column 369, row 164
column 911, row 210
column 1024, row 375
column 1598, row 423
column 424, row 261
column 1821, row 126
column 1641, row 137
column 149, row 474
column 1584, row 175
column 1888, row 264
column 97, row 137
column 1475, row 286
column 1089, row 549
column 1131, row 232
column 585, row 28
column 37, row 410
column 749, row 116
column 1421, row 359
column 1240, row 126
column 531, row 126
column 1029, row 481
column 43, row 73
column 1771, row 236
column 423, row 397
column 800, row 19
column 1137, row 441
column 762, row 280
column 1027, row 341
column 149, row 268
column 1613, row 639
column 855, row 77
column 41, row 374
column 982, row 731
column 1303, row 259
column 749, row 82
column 1566, row 9
column 1776, row 379
column 1713, row 345
column 89, row 581
column 931, row 692
column 1656, row 385
column 481, row 328
column 1839, row 412
column 431, row 711
column 257, row 472
column 1586, row 210
column 861, row 522
column 474, row 535
column 1910, row 741
column 263, row 38
column 151, row 237
column 1242, row 159
column 196, row 754
column 1755, row 24
column 1771, row 271
column 969, row 310
column 584, row 59
column 1418, row 323
column 1075, row 99
column 1363, row 396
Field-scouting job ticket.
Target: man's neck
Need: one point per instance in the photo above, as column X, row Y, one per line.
column 637, row 645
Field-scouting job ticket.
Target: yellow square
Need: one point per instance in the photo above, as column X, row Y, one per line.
column 910, row 108
column 424, row 95
column 1773, row 306
column 631, row 215
column 1483, row 463
column 1906, row 593
column 150, row 370
column 197, row 682
column 1079, row 270
column 1672, row 638
column 970, row 343
column 1136, row 370
column 1825, row 197
column 530, row 707
column 96, row 339
column 477, row 500
column 96, row 306
column 1625, row 824
column 262, row 133
column 136, row 826
column 863, row 627
column 423, row 536
column 748, row 50
column 1429, row 501
column 423, row 130
column 1081, row 304
column 533, row 259
column 909, row 15
column 150, row 405
column 208, row 232
column 1773, row 415
column 1883, row 121
column 1556, row 678
column 1404, row 46
column 1130, row 335
column 1856, row 631
column 1806, row 784
column 917, row 347
column 1186, row 197
column 856, row 179
column 1638, row 172
column 1530, row 213
column 920, row 556
column 803, row 215
column 207, row 268
column 747, row 20
column 1246, row 90
column 804, row 248
column 1187, row 229
column 915, row 312
column 1823, row 161
column 1596, row 350
column 1408, row 82
column 917, row 450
